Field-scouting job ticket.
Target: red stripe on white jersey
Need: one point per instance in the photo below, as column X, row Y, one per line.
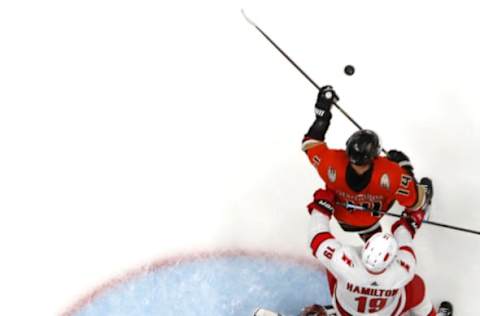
column 403, row 223
column 318, row 240
column 410, row 250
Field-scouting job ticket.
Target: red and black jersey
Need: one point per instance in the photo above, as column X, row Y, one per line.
column 386, row 183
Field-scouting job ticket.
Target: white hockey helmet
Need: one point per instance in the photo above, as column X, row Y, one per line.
column 379, row 252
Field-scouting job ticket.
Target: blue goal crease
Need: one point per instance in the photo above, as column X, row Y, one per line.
column 223, row 286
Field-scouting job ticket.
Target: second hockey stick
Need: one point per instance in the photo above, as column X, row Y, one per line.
column 360, row 208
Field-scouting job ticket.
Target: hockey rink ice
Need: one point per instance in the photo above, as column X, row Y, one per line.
column 135, row 135
column 212, row 284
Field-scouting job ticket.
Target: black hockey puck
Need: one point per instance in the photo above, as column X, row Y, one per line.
column 349, row 70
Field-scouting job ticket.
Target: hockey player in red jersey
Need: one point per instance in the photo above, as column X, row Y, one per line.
column 377, row 279
column 360, row 177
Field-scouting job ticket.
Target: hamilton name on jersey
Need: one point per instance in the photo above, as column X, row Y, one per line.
column 371, row 291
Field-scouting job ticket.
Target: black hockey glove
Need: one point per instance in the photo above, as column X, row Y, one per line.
column 402, row 159
column 325, row 99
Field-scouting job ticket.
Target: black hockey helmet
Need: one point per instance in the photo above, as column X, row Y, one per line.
column 363, row 146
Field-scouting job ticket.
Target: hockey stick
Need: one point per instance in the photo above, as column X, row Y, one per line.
column 298, row 68
column 351, row 120
column 360, row 208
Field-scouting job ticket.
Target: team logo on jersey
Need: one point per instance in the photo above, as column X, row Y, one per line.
column 374, row 283
column 332, row 174
column 385, row 181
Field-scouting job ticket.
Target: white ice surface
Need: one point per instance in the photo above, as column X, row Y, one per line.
column 130, row 131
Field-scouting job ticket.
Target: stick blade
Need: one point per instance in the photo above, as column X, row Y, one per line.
column 247, row 18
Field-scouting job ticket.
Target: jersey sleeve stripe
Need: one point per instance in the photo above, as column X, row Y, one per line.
column 318, row 240
column 409, row 250
column 307, row 141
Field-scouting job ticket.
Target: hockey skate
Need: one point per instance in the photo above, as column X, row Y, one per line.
column 428, row 185
column 445, row 309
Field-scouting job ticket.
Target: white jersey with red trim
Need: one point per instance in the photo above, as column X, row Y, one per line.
column 358, row 291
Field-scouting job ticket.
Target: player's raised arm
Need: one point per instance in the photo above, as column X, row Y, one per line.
column 404, row 231
column 323, row 244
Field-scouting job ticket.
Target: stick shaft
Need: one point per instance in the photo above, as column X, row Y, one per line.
column 360, row 208
column 298, row 68
column 351, row 120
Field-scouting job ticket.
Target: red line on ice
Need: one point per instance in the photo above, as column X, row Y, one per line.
column 191, row 257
